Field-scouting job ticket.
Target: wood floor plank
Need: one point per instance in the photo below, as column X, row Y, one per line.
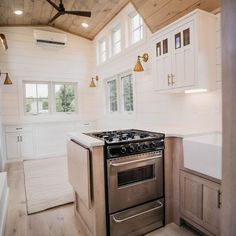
column 58, row 221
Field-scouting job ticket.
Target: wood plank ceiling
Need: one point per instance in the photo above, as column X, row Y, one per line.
column 39, row 12
column 159, row 13
column 156, row 13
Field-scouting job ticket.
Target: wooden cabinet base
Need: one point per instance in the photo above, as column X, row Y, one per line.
column 200, row 202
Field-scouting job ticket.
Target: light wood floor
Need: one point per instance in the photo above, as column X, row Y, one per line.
column 59, row 221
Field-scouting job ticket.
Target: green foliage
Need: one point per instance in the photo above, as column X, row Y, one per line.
column 65, row 99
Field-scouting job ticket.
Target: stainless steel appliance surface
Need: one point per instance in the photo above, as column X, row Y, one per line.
column 134, row 181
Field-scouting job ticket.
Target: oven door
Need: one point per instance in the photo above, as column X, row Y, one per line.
column 135, row 179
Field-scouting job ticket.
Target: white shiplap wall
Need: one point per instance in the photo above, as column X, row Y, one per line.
column 25, row 60
column 153, row 109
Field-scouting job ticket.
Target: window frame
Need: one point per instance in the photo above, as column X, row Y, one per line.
column 122, row 91
column 108, row 110
column 131, row 31
column 112, row 32
column 100, row 41
column 119, row 90
column 54, row 83
column 51, row 97
column 24, row 97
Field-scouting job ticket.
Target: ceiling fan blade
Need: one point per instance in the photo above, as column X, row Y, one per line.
column 53, row 4
column 79, row 13
column 55, row 17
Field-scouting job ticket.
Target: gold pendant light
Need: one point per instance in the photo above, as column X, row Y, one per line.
column 3, row 41
column 138, row 66
column 7, row 80
column 92, row 83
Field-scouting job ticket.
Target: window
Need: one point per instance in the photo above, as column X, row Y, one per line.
column 102, row 50
column 112, row 95
column 120, row 95
column 49, row 97
column 36, row 98
column 116, row 40
column 127, row 92
column 136, row 28
column 65, row 97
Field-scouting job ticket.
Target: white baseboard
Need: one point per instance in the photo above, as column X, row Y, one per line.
column 37, row 157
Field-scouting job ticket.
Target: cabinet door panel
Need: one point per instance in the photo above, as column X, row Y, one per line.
column 162, row 63
column 191, row 197
column 27, row 145
column 13, row 146
column 183, row 56
column 211, row 207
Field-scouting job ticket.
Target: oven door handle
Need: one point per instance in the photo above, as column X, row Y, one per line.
column 139, row 214
column 134, row 161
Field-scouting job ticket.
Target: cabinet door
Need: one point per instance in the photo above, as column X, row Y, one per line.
column 191, row 197
column 162, row 63
column 183, row 74
column 13, row 146
column 211, row 206
column 27, row 145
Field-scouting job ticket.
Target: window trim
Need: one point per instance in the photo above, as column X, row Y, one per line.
column 131, row 41
column 122, row 91
column 54, row 83
column 51, row 97
column 120, row 100
column 108, row 110
column 112, row 32
column 24, row 97
column 100, row 41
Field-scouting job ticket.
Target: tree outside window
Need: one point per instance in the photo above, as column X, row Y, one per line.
column 65, row 95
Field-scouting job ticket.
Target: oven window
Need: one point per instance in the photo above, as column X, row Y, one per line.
column 135, row 175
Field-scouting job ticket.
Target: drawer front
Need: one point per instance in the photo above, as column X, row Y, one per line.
column 138, row 220
column 18, row 128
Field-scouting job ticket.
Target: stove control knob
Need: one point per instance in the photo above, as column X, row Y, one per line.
column 123, row 150
column 153, row 145
column 131, row 148
column 145, row 146
column 139, row 147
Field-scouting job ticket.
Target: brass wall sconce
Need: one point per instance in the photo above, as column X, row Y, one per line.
column 92, row 83
column 7, row 80
column 3, row 41
column 138, row 66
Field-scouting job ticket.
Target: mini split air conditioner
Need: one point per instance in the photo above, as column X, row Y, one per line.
column 50, row 38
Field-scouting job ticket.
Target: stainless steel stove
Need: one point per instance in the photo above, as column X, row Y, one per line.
column 134, row 175
column 132, row 141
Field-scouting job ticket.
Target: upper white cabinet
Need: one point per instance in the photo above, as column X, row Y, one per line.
column 185, row 53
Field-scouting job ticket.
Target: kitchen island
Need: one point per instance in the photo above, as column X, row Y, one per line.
column 86, row 174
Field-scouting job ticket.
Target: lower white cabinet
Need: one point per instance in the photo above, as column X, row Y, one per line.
column 13, row 146
column 19, row 145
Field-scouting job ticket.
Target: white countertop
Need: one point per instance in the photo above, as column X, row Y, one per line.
column 85, row 139
column 168, row 130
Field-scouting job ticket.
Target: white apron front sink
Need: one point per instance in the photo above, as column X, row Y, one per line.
column 203, row 153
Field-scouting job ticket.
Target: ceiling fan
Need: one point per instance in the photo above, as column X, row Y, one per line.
column 61, row 11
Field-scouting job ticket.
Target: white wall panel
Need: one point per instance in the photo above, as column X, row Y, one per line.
column 153, row 108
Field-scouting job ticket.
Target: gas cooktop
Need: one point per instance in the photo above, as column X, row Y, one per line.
column 120, row 136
